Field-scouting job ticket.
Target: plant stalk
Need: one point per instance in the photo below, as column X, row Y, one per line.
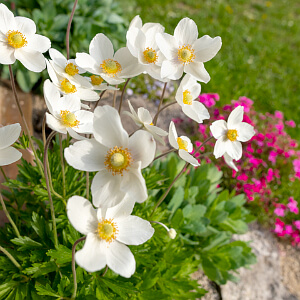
column 62, row 165
column 122, row 95
column 69, row 29
column 160, row 104
column 11, row 258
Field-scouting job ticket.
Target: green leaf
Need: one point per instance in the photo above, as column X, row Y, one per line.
column 26, row 243
column 45, row 290
column 62, row 255
column 5, row 288
column 119, row 287
column 194, row 212
column 40, row 269
column 176, row 200
column 150, row 278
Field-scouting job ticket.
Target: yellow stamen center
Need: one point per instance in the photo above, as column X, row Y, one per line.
column 186, row 54
column 182, row 144
column 68, row 119
column 96, row 79
column 150, row 55
column 107, row 230
column 232, row 134
column 118, row 160
column 151, row 124
column 67, row 86
column 16, row 39
column 111, row 67
column 71, row 69
column 187, row 97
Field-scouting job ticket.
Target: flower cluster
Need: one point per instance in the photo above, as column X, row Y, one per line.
column 103, row 145
column 269, row 170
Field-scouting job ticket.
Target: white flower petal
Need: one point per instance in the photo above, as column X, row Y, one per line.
column 220, row 148
column 9, row 155
column 87, row 94
column 198, row 71
column 101, row 48
column 7, row 56
column 32, row 60
column 173, row 136
column 206, row 48
column 9, row 134
column 120, row 259
column 86, row 121
column 92, row 257
column 142, row 147
column 123, row 209
column 106, row 189
column 167, row 45
column 39, row 43
column 7, row 20
column 68, row 102
column 51, row 95
column 134, row 230
column 234, row 149
column 25, row 25
column 188, row 158
column 108, row 129
column 87, row 155
column 171, row 69
column 134, row 184
column 218, row 128
column 131, row 37
column 235, row 117
column 136, row 22
column 186, row 32
column 87, row 62
column 58, row 58
column 144, row 115
column 75, row 135
column 197, row 111
column 245, row 132
column 55, row 124
column 229, row 161
column 82, row 215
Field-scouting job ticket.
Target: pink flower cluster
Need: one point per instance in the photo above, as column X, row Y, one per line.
column 269, row 169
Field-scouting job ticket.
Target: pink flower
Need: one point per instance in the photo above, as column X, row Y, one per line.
column 279, row 211
column 278, row 115
column 290, row 123
column 297, row 224
column 292, row 205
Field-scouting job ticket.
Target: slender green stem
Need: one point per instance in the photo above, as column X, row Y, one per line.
column 9, row 217
column 13, row 85
column 122, row 95
column 162, row 198
column 74, row 267
column 6, row 179
column 52, row 134
column 44, row 129
column 87, row 176
column 105, row 271
column 69, row 28
column 62, row 165
column 167, row 105
column 101, row 95
column 165, row 153
column 115, row 97
column 11, row 258
column 160, row 104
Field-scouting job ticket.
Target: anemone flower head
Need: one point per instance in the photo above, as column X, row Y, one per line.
column 183, row 145
column 143, row 119
column 68, row 69
column 116, row 157
column 230, row 134
column 98, row 84
column 112, row 67
column 66, row 115
column 18, row 40
column 142, row 45
column 188, row 90
column 66, row 87
column 8, row 135
column 107, row 231
column 184, row 52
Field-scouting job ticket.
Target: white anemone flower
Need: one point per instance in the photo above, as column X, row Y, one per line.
column 112, row 67
column 229, row 161
column 143, row 119
column 65, row 114
column 18, row 40
column 8, row 135
column 66, row 87
column 98, row 84
column 183, row 145
column 230, row 134
column 68, row 69
column 116, row 157
column 142, row 45
column 188, row 90
column 184, row 52
column 107, row 234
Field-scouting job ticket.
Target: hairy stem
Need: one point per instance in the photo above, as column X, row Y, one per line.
column 115, row 97
column 167, row 105
column 52, row 134
column 122, row 95
column 87, row 176
column 160, row 104
column 101, row 95
column 165, row 153
column 68, row 30
column 62, row 165
column 11, row 258
column 74, row 267
column 9, row 217
column 13, row 85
